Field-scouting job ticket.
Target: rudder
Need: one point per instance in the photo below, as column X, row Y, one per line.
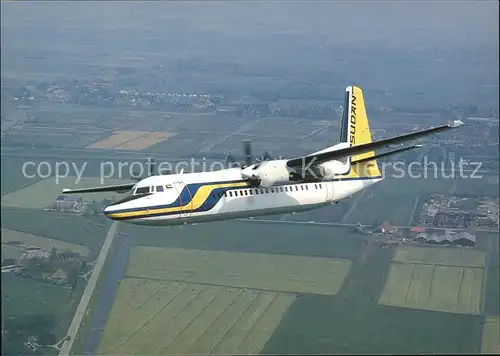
column 356, row 130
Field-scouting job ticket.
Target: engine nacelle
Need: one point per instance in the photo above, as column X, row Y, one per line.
column 330, row 169
column 269, row 173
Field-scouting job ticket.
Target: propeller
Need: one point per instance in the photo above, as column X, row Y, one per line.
column 247, row 159
column 247, row 150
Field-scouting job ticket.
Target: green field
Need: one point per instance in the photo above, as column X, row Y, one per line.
column 491, row 336
column 247, row 236
column 41, row 194
column 25, row 296
column 9, row 251
column 169, row 318
column 74, row 229
column 396, row 196
column 440, row 256
column 353, row 323
column 487, row 185
column 40, row 241
column 243, row 270
column 438, row 288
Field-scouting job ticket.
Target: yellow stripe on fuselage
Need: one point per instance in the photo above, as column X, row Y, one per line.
column 196, row 202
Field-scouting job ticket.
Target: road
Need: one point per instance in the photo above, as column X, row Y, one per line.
column 345, row 225
column 89, row 290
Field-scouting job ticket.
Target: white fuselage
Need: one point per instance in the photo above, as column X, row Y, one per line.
column 209, row 196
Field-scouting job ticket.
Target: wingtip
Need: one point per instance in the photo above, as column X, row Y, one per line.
column 65, row 190
column 456, row 123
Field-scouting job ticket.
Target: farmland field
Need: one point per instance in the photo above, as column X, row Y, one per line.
column 433, row 287
column 40, row 241
column 9, row 251
column 440, row 256
column 250, row 237
column 131, row 140
column 42, row 193
column 243, row 270
column 74, row 229
column 352, row 322
column 160, row 317
column 491, row 336
column 487, row 185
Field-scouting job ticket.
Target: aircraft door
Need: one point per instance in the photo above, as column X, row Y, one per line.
column 185, row 199
column 329, row 191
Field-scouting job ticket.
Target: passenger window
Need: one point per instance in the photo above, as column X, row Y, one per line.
column 272, row 190
column 320, row 186
column 286, row 189
column 296, row 188
column 159, row 188
column 168, row 186
column 230, row 194
column 307, row 187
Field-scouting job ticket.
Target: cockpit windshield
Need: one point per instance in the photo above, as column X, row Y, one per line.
column 142, row 190
column 152, row 189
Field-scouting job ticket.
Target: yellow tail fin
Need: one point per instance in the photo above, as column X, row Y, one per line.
column 358, row 132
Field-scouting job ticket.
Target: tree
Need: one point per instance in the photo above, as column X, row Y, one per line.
column 53, row 254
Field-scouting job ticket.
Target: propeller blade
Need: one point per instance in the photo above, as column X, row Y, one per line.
column 266, row 156
column 247, row 150
column 232, row 162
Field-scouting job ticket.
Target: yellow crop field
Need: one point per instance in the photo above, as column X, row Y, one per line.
column 491, row 336
column 131, row 140
column 433, row 287
column 144, row 141
column 296, row 274
column 118, row 138
column 440, row 256
column 161, row 317
column 45, row 192
column 40, row 241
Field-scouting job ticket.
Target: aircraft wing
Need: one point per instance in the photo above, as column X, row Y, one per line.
column 367, row 147
column 120, row 188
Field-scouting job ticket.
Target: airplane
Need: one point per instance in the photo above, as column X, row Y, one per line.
column 272, row 186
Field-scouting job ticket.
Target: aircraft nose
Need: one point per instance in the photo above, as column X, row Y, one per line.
column 108, row 210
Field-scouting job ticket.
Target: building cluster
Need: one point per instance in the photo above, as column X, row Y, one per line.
column 54, row 266
column 445, row 237
column 459, row 212
column 387, row 234
column 68, row 203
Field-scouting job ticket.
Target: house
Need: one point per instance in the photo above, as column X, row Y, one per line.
column 416, row 230
column 67, row 202
column 387, row 228
column 59, row 276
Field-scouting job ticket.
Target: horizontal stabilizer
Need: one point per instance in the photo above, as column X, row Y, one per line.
column 385, row 154
column 120, row 188
column 367, row 147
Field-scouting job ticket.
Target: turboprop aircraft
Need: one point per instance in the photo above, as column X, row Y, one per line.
column 273, row 186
